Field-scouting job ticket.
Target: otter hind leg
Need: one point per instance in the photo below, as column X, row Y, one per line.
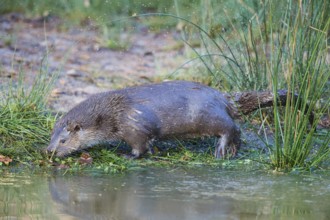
column 220, row 149
column 229, row 141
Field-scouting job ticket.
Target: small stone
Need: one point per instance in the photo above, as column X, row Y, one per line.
column 56, row 92
column 74, row 73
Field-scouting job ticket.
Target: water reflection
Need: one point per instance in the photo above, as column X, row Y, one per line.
column 25, row 197
column 134, row 198
column 198, row 194
column 169, row 194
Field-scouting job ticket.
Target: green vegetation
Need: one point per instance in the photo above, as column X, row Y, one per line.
column 275, row 50
column 303, row 56
column 241, row 45
column 25, row 121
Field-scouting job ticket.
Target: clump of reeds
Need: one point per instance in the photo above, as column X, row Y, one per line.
column 280, row 46
column 302, row 57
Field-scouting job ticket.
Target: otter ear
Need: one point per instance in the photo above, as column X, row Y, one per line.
column 73, row 127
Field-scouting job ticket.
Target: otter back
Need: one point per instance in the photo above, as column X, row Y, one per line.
column 141, row 114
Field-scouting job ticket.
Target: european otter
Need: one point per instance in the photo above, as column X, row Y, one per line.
column 141, row 114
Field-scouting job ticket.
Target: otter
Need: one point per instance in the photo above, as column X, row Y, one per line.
column 141, row 114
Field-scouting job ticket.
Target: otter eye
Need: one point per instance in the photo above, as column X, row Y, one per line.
column 62, row 141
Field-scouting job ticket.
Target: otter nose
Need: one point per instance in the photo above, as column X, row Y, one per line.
column 51, row 149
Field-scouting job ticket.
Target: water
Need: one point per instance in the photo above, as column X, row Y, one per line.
column 159, row 193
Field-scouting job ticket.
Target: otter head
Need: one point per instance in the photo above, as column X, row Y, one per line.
column 65, row 139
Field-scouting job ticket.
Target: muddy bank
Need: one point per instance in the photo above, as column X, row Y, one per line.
column 79, row 55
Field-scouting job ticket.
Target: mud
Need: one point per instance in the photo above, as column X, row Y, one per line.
column 85, row 66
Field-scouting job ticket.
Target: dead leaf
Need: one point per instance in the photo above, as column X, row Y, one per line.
column 6, row 160
column 85, row 158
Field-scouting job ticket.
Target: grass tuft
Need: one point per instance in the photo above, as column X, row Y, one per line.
column 25, row 122
column 300, row 64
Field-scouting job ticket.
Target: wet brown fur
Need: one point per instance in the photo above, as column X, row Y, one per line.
column 139, row 115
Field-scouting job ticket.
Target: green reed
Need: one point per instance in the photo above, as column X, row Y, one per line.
column 281, row 46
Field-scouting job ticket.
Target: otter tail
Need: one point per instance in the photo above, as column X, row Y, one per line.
column 247, row 102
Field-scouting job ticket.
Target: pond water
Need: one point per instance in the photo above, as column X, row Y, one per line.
column 159, row 193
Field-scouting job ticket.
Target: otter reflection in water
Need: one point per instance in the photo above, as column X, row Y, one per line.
column 130, row 198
